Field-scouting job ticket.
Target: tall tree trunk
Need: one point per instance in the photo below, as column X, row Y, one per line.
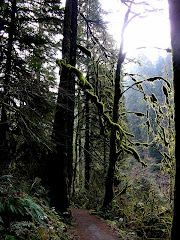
column 76, row 160
column 174, row 12
column 3, row 122
column 109, row 193
column 87, row 147
column 113, row 156
column 62, row 136
column 78, row 136
column 71, row 87
column 81, row 177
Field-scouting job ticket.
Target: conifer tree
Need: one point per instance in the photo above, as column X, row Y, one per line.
column 6, row 85
column 26, row 101
column 61, row 160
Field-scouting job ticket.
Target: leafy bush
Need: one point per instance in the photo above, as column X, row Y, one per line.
column 87, row 199
column 140, row 208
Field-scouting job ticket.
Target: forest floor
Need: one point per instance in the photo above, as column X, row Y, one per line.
column 91, row 227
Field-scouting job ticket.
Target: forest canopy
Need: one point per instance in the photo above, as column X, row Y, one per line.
column 86, row 122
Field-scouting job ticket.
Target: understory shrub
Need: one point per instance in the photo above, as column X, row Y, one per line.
column 27, row 216
column 140, row 208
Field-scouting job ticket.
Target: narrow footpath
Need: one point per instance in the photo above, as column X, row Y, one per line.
column 90, row 227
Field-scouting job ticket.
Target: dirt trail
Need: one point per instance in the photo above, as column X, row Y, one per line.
column 90, row 227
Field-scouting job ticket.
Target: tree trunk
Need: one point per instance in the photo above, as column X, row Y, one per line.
column 76, row 160
column 174, row 12
column 109, row 185
column 113, row 157
column 81, row 176
column 3, row 122
column 71, row 87
column 87, row 147
column 62, row 136
column 78, row 136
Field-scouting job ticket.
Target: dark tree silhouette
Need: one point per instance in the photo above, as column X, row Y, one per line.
column 62, row 136
column 174, row 11
column 4, row 120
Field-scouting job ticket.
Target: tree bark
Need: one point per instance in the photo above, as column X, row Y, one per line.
column 174, row 12
column 109, row 185
column 87, row 146
column 4, row 119
column 62, row 159
column 113, row 157
column 77, row 151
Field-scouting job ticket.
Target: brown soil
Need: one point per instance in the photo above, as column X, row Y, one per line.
column 90, row 227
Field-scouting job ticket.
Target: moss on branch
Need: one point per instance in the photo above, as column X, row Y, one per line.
column 84, row 50
column 82, row 81
column 133, row 152
column 87, row 87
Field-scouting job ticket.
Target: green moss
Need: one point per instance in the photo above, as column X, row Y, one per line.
column 94, row 98
column 107, row 119
column 132, row 151
column 117, row 127
column 101, row 107
column 84, row 50
column 86, row 86
column 82, row 81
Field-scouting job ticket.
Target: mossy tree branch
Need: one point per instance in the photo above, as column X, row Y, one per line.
column 87, row 87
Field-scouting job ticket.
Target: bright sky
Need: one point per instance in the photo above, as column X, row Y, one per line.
column 151, row 31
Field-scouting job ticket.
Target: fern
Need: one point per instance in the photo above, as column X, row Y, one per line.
column 9, row 237
column 26, row 217
column 30, row 207
column 21, row 206
column 5, row 177
column 22, row 227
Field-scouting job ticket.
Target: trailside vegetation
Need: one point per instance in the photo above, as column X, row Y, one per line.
column 83, row 124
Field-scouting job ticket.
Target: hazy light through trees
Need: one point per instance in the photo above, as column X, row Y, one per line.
column 150, row 31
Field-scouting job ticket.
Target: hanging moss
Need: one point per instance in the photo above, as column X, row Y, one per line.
column 135, row 154
column 159, row 78
column 166, row 156
column 82, row 81
column 84, row 50
column 86, row 86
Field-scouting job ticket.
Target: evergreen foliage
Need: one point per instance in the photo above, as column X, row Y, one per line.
column 122, row 110
column 29, row 33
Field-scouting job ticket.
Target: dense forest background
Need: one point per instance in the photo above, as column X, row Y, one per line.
column 91, row 129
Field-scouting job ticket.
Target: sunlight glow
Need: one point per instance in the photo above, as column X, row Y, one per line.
column 152, row 31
